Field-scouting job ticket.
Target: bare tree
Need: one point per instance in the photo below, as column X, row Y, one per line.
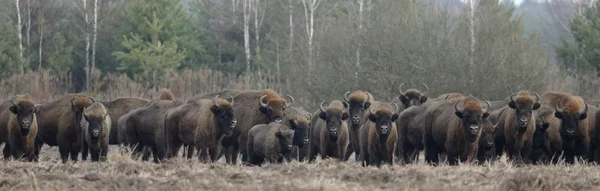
column 291, row 40
column 20, row 36
column 246, row 9
column 360, row 28
column 41, row 37
column 28, row 30
column 258, row 18
column 472, row 6
column 94, row 36
column 87, row 44
column 309, row 13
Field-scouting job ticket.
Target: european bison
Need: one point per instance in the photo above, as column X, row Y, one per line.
column 329, row 135
column 486, row 150
column 22, row 127
column 224, row 93
column 410, row 97
column 454, row 129
column 96, row 131
column 59, row 124
column 378, row 136
column 116, row 109
column 547, row 143
column 298, row 120
column 269, row 142
column 518, row 122
column 572, row 112
column 358, row 101
column 253, row 108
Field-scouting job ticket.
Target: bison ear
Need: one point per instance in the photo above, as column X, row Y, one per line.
column 403, row 99
column 583, row 116
column 485, row 115
column 293, row 124
column 395, row 117
column 367, row 105
column 323, row 116
column 536, row 106
column 558, row 115
column 279, row 134
column 459, row 114
column 545, row 126
column 372, row 118
column 345, row 116
column 265, row 110
column 13, row 109
column 346, row 105
column 512, row 105
column 423, row 99
column 37, row 109
column 215, row 108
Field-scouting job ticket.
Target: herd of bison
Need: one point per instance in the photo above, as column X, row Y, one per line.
column 264, row 126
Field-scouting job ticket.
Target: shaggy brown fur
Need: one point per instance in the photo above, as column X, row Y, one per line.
column 249, row 112
column 518, row 123
column 222, row 94
column 486, row 150
column 410, row 97
column 165, row 94
column 448, row 97
column 574, row 128
column 59, row 124
column 378, row 136
column 359, row 102
column 22, row 127
column 453, row 128
column 96, row 131
column 547, row 143
column 298, row 120
column 118, row 108
column 145, row 128
column 329, row 136
column 269, row 142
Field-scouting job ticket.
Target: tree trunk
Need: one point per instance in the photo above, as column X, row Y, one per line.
column 360, row 28
column 278, row 71
column 309, row 14
column 28, row 31
column 291, row 40
column 41, row 39
column 87, row 46
column 233, row 8
column 20, row 36
column 94, row 36
column 247, row 5
column 472, row 43
column 256, row 8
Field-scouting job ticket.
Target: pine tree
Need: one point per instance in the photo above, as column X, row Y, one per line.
column 584, row 51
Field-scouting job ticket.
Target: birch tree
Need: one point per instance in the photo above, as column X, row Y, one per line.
column 258, row 18
column 41, row 38
column 20, row 35
column 94, row 36
column 309, row 13
column 246, row 11
column 472, row 5
column 360, row 29
column 291, row 38
column 87, row 44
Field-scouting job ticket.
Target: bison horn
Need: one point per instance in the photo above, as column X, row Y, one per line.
column 232, row 100
column 426, row 89
column 14, row 102
column 73, row 104
column 371, row 112
column 456, row 106
column 512, row 99
column 543, row 119
column 557, row 108
column 215, row 100
column 291, row 100
column 400, row 89
column 93, row 100
column 537, row 97
column 585, row 109
column 309, row 116
column 321, row 106
column 85, row 112
column 395, row 106
column 262, row 101
column 346, row 96
column 488, row 106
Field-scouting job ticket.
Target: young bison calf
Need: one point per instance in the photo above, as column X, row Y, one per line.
column 272, row 142
column 96, row 131
column 378, row 136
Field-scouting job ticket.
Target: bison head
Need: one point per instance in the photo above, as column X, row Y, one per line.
column 300, row 125
column 412, row 97
column 95, row 116
column 539, row 135
column 334, row 116
column 25, row 111
column 571, row 112
column 523, row 105
column 472, row 116
column 285, row 140
column 223, row 115
column 358, row 102
column 488, row 131
column 274, row 109
column 383, row 120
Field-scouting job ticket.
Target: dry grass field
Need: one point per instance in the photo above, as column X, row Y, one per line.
column 122, row 173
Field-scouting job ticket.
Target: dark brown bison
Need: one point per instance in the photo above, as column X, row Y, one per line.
column 59, row 124
column 486, row 150
column 410, row 97
column 269, row 142
column 145, row 128
column 96, row 131
column 118, row 108
column 201, row 125
column 253, row 108
column 572, row 111
column 329, row 136
column 359, row 102
column 518, row 123
column 22, row 127
column 547, row 143
column 298, row 120
column 378, row 136
column 454, row 129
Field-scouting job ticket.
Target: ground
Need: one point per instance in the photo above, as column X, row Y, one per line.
column 122, row 173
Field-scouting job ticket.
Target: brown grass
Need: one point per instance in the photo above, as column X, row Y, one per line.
column 122, row 173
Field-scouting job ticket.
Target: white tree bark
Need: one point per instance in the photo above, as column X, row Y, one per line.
column 360, row 29
column 87, row 45
column 246, row 10
column 256, row 8
column 291, row 40
column 41, row 40
column 20, row 36
column 94, row 36
column 28, row 30
column 309, row 13
column 472, row 5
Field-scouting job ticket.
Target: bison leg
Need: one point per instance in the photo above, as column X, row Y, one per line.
column 408, row 153
column 255, row 160
column 63, row 149
column 213, row 152
column 74, row 153
column 349, row 152
column 6, row 151
column 432, row 152
column 37, row 148
column 190, row 151
column 95, row 152
column 84, row 150
column 374, row 160
column 234, row 153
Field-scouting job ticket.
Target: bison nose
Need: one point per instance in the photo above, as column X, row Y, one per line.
column 355, row 119
column 233, row 123
column 25, row 124
column 570, row 131
column 289, row 147
column 277, row 121
column 474, row 129
column 490, row 143
column 333, row 131
column 305, row 141
column 95, row 132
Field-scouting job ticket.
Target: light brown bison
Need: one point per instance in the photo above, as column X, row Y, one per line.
column 329, row 136
column 201, row 125
column 298, row 120
column 118, row 108
column 572, row 111
column 253, row 108
column 454, row 129
column 22, row 127
column 518, row 123
column 59, row 124
column 145, row 128
column 96, row 131
column 269, row 142
column 547, row 143
column 359, row 102
column 378, row 136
